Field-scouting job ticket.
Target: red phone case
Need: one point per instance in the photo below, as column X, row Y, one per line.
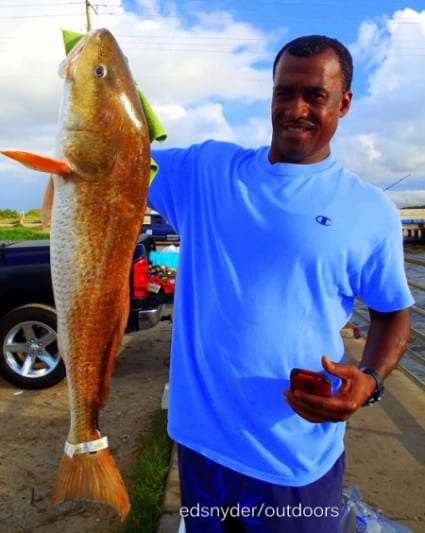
column 311, row 382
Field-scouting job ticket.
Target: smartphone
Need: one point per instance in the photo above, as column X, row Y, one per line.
column 311, row 382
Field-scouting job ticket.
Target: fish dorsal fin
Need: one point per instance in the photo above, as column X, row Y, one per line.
column 47, row 205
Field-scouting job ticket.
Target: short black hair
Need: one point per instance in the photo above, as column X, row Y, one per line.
column 310, row 45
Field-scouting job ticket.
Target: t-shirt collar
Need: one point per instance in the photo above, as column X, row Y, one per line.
column 294, row 169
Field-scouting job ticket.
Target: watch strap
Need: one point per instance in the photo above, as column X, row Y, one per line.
column 378, row 393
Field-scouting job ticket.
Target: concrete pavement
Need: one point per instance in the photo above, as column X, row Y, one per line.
column 385, row 453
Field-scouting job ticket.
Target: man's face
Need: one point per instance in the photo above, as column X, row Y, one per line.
column 308, row 100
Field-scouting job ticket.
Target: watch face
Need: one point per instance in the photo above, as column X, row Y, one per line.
column 373, row 399
column 377, row 395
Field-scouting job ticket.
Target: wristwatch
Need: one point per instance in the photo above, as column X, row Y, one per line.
column 378, row 393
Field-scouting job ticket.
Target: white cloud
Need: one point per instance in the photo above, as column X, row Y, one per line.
column 371, row 44
column 406, row 33
column 213, row 58
column 382, row 138
column 408, row 198
column 184, row 72
column 199, row 77
column 200, row 123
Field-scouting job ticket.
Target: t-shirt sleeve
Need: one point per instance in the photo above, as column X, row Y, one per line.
column 382, row 283
column 169, row 187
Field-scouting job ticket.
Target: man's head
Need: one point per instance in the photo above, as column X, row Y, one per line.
column 311, row 91
column 311, row 45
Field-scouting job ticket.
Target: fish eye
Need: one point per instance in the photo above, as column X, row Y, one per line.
column 100, row 71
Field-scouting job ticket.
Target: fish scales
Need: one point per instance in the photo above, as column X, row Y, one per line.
column 99, row 189
column 99, row 213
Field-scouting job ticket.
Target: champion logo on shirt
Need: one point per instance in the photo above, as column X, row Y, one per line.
column 324, row 220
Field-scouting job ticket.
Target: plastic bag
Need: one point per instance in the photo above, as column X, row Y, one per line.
column 358, row 517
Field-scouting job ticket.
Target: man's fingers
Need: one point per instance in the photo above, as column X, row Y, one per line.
column 319, row 409
column 340, row 370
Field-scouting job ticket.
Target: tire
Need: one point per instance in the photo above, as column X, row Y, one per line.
column 29, row 355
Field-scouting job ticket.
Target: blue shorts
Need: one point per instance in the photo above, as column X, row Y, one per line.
column 216, row 499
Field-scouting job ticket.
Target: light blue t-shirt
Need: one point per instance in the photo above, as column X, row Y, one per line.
column 271, row 258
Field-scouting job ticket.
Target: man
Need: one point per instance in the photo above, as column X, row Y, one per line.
column 275, row 245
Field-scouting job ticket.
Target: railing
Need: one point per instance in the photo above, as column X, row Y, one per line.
column 413, row 362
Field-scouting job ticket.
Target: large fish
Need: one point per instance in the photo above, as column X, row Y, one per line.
column 99, row 188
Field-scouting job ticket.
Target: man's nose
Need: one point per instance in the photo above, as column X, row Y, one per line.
column 297, row 107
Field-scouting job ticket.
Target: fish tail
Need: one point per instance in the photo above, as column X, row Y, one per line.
column 92, row 476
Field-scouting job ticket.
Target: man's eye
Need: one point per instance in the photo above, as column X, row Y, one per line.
column 316, row 96
column 282, row 93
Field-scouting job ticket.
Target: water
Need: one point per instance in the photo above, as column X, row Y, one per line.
column 414, row 273
column 417, row 344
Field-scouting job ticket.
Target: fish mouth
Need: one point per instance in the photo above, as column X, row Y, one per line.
column 67, row 67
column 71, row 132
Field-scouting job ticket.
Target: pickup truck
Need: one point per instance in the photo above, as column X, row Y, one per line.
column 160, row 229
column 29, row 356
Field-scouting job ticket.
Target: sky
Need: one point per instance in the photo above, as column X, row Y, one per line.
column 205, row 66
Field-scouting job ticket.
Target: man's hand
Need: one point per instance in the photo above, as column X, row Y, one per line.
column 355, row 389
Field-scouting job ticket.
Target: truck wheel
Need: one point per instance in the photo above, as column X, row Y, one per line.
column 29, row 355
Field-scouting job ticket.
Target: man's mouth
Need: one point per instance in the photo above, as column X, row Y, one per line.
column 298, row 127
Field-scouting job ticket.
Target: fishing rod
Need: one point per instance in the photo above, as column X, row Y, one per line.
column 396, row 182
column 88, row 18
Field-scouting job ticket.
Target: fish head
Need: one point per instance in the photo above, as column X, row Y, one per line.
column 100, row 108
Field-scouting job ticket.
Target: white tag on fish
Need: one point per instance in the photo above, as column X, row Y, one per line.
column 86, row 447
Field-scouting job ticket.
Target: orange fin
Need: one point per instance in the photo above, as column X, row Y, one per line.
column 46, row 208
column 39, row 162
column 93, row 477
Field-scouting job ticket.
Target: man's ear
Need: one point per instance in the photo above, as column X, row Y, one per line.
column 345, row 103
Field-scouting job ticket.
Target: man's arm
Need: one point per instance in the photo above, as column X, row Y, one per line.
column 386, row 343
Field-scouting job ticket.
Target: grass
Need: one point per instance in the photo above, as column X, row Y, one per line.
column 21, row 233
column 147, row 491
